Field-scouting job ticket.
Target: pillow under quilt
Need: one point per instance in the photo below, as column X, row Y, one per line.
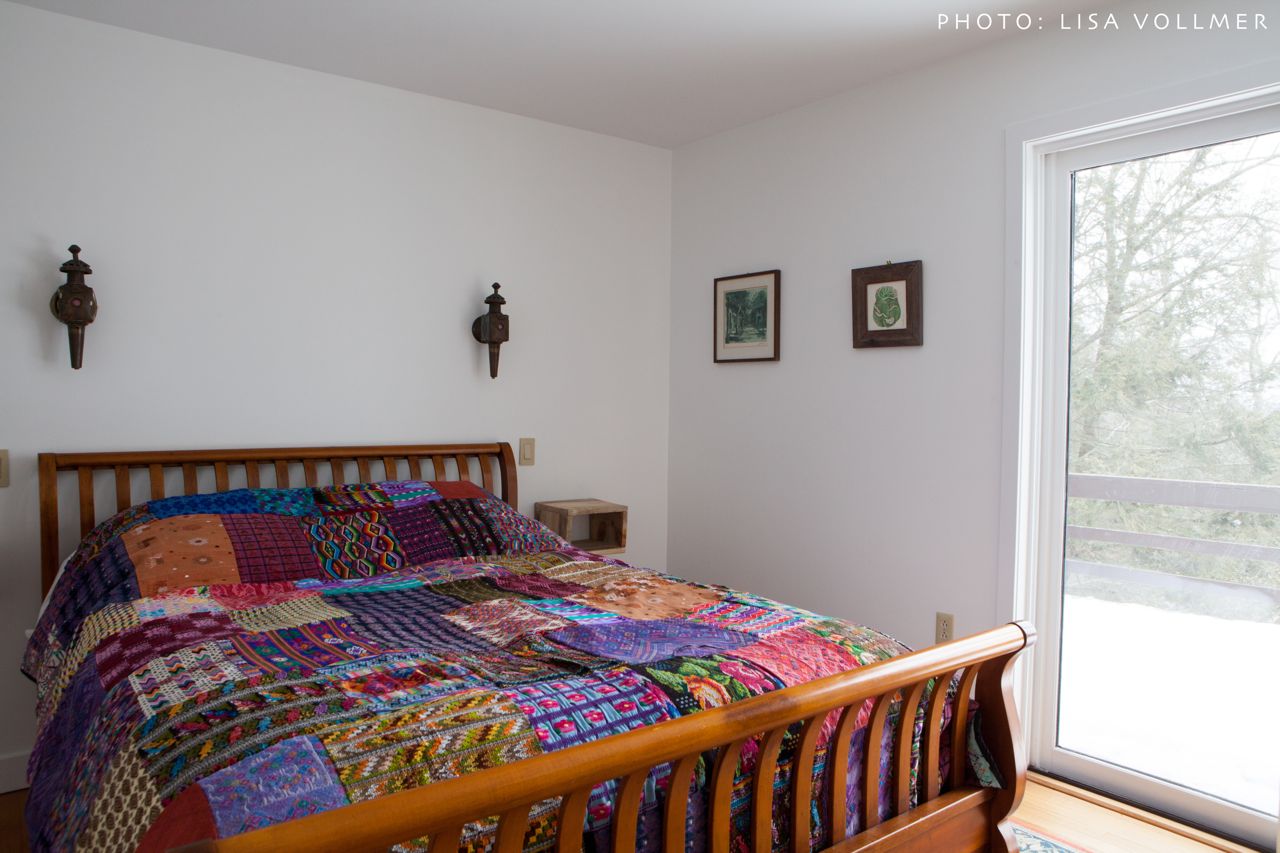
column 270, row 535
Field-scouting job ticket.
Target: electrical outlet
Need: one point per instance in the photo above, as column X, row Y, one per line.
column 944, row 627
column 4, row 469
column 526, row 451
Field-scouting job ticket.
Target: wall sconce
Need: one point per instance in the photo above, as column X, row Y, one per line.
column 74, row 304
column 493, row 328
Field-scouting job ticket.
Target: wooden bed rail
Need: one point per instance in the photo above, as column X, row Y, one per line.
column 320, row 466
column 961, row 819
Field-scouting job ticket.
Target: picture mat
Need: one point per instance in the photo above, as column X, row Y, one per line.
column 899, row 287
column 741, row 351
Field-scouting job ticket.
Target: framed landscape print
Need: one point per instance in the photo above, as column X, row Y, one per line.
column 887, row 306
column 746, row 317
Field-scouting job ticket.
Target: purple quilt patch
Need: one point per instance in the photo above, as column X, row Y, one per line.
column 290, row 779
column 535, row 585
column 638, row 641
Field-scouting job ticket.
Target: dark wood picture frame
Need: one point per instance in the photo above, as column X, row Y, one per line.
column 773, row 318
column 911, row 332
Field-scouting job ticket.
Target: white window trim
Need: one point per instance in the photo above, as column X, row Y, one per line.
column 1033, row 475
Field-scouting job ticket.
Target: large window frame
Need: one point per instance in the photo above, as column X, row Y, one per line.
column 1035, row 464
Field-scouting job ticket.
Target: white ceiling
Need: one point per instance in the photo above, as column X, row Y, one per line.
column 664, row 72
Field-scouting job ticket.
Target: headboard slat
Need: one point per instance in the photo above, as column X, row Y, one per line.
column 124, row 497
column 156, row 473
column 87, row 513
column 157, row 462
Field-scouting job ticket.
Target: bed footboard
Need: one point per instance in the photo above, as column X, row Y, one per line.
column 950, row 815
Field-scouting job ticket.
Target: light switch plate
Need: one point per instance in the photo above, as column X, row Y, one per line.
column 526, row 451
column 4, row 469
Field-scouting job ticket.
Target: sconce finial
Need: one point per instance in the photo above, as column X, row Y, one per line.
column 492, row 328
column 75, row 304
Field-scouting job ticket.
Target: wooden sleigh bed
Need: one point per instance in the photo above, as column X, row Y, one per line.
column 951, row 814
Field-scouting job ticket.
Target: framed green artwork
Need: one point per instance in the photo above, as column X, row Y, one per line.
column 888, row 310
column 746, row 317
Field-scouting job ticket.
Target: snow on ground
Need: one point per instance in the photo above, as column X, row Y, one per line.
column 1188, row 698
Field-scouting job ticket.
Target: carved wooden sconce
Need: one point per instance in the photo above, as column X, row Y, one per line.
column 493, row 328
column 74, row 304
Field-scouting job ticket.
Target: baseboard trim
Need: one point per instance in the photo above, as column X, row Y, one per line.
column 13, row 771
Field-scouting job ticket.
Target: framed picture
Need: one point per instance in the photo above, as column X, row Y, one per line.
column 746, row 317
column 887, row 306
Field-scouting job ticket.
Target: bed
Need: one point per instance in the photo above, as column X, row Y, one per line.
column 364, row 648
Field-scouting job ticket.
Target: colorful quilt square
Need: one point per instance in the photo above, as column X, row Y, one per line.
column 122, row 653
column 423, row 632
column 174, row 604
column 459, row 490
column 574, row 611
column 288, row 614
column 407, row 493
column 287, row 501
column 306, row 647
column 591, row 573
column 474, row 590
column 695, row 684
column 558, row 655
column 467, row 526
column 571, row 711
column 421, row 534
column 179, row 552
column 516, row 532
column 504, row 621
column 245, row 596
column 796, row 656
column 635, row 641
column 407, row 619
column 172, row 679
column 534, row 585
column 270, row 548
column 648, row 597
column 351, row 498
column 393, row 680
column 213, row 503
column 391, row 602
column 497, row 666
column 357, row 544
column 750, row 619
column 429, row 741
column 288, row 780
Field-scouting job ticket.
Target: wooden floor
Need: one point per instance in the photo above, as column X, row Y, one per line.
column 13, row 832
column 1078, row 819
column 1050, row 810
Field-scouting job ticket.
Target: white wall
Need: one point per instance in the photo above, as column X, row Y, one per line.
column 867, row 483
column 287, row 257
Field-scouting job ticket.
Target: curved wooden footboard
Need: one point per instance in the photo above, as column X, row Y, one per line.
column 951, row 815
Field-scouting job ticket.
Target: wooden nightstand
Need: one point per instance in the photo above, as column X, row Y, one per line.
column 606, row 523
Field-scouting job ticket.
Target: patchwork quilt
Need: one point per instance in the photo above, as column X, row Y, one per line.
column 212, row 664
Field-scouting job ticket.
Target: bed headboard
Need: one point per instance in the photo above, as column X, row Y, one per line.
column 222, row 470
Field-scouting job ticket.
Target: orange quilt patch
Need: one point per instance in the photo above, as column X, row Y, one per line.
column 180, row 552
